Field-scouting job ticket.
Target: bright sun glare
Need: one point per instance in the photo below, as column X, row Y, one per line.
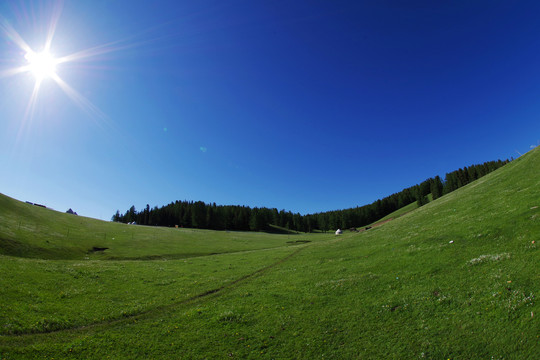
column 42, row 65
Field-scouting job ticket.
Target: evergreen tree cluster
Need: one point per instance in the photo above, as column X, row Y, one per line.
column 462, row 177
column 200, row 215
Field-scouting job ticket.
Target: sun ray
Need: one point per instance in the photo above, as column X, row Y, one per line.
column 98, row 50
column 57, row 11
column 91, row 52
column 113, row 46
column 78, row 99
column 14, row 71
column 30, row 108
column 33, row 98
column 14, row 36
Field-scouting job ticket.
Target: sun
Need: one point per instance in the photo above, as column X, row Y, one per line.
column 42, row 65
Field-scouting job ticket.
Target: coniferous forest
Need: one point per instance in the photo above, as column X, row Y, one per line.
column 197, row 214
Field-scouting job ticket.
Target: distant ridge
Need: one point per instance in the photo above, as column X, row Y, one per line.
column 200, row 215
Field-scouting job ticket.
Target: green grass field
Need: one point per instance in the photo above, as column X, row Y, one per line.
column 455, row 279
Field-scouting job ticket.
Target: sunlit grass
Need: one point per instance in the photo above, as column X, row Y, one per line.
column 457, row 278
column 64, row 236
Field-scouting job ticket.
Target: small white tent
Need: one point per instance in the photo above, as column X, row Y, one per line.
column 339, row 232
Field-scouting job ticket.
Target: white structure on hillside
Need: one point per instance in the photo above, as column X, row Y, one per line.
column 339, row 232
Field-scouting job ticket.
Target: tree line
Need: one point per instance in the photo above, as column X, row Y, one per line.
column 200, row 215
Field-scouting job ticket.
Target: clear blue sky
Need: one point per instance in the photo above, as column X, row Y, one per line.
column 306, row 106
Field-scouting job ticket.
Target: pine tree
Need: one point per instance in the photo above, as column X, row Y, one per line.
column 116, row 217
column 131, row 214
column 421, row 199
column 436, row 187
column 256, row 221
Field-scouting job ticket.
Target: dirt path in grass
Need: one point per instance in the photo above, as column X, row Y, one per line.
column 149, row 312
column 377, row 224
column 382, row 222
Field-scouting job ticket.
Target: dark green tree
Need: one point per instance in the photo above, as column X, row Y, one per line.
column 256, row 221
column 436, row 187
column 116, row 217
column 421, row 199
column 195, row 215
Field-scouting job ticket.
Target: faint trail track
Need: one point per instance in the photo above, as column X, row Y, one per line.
column 151, row 311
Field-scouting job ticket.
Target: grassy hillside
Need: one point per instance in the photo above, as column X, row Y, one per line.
column 400, row 212
column 457, row 278
column 34, row 232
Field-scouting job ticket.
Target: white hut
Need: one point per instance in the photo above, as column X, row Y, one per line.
column 339, row 232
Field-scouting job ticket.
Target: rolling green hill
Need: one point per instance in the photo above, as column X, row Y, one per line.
column 455, row 279
column 34, row 232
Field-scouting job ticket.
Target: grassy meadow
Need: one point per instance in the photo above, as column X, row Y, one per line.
column 455, row 279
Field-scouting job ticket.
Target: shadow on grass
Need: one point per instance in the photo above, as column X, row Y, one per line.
column 298, row 242
column 16, row 248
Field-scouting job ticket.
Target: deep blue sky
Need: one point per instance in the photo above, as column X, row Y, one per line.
column 304, row 106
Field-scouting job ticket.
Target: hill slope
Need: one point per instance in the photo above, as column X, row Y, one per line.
column 34, row 232
column 457, row 278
